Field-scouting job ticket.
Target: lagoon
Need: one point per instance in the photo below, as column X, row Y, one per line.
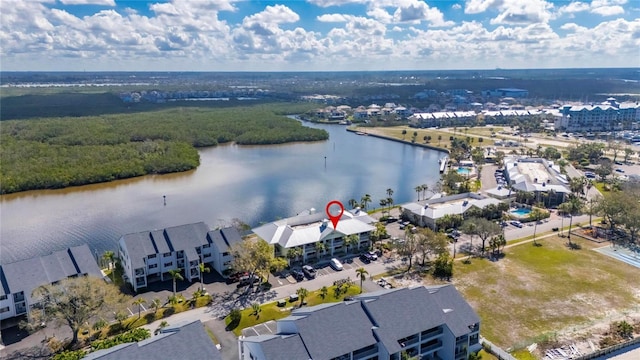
column 252, row 183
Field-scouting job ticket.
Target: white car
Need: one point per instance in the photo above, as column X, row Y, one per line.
column 336, row 264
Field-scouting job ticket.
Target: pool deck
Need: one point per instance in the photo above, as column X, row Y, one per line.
column 621, row 253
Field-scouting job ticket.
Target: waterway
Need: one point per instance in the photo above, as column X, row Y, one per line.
column 255, row 184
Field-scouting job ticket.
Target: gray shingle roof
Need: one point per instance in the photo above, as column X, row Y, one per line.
column 224, row 238
column 183, row 237
column 26, row 275
column 385, row 316
column 187, row 342
column 286, row 347
column 331, row 331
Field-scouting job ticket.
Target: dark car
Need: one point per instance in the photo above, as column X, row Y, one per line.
column 248, row 280
column 365, row 258
column 309, row 271
column 297, row 274
column 235, row 277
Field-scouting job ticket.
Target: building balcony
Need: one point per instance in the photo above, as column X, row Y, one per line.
column 430, row 334
column 430, row 346
column 365, row 353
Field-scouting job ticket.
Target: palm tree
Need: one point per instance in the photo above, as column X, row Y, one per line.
column 320, row 248
column 535, row 215
column 203, row 269
column 383, row 205
column 365, row 200
column 109, row 256
column 302, row 293
column 139, row 302
column 293, row 253
column 156, row 304
column 351, row 240
column 323, row 292
column 390, row 203
column 362, row 273
column 353, row 203
column 418, row 189
column 574, row 207
column 425, row 187
column 175, row 275
column 404, row 133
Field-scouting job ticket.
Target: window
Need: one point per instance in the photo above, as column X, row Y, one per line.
column 166, row 254
column 153, row 266
column 170, row 263
column 152, row 256
column 4, row 309
column 225, row 254
column 3, row 297
column 206, row 246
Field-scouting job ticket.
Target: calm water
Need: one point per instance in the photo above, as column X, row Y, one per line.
column 254, row 184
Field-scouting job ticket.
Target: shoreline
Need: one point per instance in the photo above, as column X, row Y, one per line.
column 431, row 147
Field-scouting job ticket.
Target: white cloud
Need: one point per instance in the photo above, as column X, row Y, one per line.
column 89, row 2
column 181, row 35
column 574, row 7
column 608, row 10
column 328, row 3
column 523, row 12
column 338, row 18
column 480, row 6
column 416, row 11
column 456, row 6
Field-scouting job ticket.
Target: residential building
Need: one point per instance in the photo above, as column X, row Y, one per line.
column 537, row 176
column 426, row 213
column 610, row 115
column 149, row 255
column 188, row 342
column 309, row 228
column 19, row 279
column 432, row 322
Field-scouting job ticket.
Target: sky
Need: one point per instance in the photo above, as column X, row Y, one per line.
column 316, row 35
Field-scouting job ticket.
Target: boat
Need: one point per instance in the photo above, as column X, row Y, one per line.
column 443, row 164
column 361, row 133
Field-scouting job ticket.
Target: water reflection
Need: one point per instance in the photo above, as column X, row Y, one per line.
column 252, row 183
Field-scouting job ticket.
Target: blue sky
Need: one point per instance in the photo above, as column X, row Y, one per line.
column 316, row 35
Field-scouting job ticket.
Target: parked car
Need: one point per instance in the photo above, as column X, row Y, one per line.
column 248, row 280
column 619, row 170
column 235, row 277
column 365, row 258
column 336, row 264
column 309, row 271
column 372, row 254
column 516, row 223
column 297, row 274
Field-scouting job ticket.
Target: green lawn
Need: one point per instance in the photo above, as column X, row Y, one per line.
column 444, row 142
column 271, row 311
column 537, row 290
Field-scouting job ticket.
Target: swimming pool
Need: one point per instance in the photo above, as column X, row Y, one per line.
column 464, row 171
column 521, row 212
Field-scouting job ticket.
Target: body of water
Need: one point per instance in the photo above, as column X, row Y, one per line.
column 253, row 183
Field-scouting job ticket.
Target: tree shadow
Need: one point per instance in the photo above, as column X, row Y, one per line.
column 34, row 352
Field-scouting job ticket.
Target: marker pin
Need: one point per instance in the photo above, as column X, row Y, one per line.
column 334, row 218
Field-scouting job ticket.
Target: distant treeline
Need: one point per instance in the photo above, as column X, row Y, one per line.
column 60, row 152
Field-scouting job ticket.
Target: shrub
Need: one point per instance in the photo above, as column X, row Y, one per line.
column 134, row 335
column 69, row 355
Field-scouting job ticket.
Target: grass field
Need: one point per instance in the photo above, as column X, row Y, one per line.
column 443, row 142
column 538, row 290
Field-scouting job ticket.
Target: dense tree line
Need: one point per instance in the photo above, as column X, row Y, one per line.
column 60, row 152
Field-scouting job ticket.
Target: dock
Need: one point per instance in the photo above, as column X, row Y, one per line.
column 443, row 164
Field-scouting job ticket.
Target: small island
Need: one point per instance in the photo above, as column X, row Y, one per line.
column 53, row 153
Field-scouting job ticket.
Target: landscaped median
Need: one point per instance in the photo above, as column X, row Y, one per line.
column 535, row 291
column 241, row 319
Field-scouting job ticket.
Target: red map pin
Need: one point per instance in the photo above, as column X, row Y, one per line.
column 334, row 218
